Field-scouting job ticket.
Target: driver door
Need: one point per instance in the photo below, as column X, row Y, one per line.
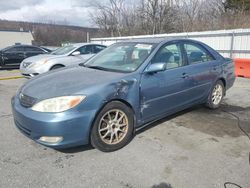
column 165, row 92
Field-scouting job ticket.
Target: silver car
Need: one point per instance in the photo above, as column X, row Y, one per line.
column 64, row 56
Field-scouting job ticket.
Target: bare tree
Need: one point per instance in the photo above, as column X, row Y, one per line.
column 156, row 15
column 118, row 17
column 109, row 17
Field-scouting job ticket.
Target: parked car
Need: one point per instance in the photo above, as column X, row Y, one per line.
column 14, row 55
column 123, row 88
column 62, row 57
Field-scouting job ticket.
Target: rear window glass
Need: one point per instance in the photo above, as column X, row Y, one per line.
column 197, row 54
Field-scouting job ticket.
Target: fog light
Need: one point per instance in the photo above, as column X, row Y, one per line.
column 51, row 139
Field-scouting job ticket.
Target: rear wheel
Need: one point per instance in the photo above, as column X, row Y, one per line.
column 56, row 67
column 113, row 127
column 216, row 95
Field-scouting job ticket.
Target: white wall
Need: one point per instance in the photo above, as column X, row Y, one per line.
column 8, row 38
column 221, row 40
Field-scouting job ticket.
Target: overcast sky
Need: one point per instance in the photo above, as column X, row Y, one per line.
column 74, row 12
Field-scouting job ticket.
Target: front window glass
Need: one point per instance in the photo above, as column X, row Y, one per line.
column 98, row 48
column 32, row 49
column 169, row 54
column 85, row 49
column 121, row 57
column 63, row 50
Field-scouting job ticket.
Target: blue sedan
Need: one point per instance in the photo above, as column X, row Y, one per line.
column 124, row 87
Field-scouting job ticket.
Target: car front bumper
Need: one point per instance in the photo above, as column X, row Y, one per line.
column 33, row 71
column 28, row 73
column 72, row 125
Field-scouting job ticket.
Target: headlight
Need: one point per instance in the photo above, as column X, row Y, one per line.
column 25, row 64
column 38, row 64
column 57, row 104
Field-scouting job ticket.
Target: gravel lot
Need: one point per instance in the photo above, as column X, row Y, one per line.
column 195, row 148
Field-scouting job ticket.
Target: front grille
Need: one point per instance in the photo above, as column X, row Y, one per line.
column 26, row 64
column 26, row 100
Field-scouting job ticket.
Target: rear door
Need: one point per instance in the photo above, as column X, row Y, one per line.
column 202, row 70
column 13, row 55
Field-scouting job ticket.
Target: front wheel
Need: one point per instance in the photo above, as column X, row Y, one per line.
column 113, row 127
column 216, row 95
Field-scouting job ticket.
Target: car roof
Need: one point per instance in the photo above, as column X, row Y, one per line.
column 24, row 45
column 83, row 44
column 19, row 45
column 145, row 40
column 159, row 40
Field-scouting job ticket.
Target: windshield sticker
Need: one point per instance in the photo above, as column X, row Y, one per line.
column 144, row 46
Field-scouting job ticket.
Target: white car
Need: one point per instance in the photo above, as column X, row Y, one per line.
column 64, row 56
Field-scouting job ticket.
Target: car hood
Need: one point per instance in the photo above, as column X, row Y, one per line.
column 44, row 57
column 67, row 81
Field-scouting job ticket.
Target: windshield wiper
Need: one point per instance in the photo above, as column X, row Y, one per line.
column 97, row 67
column 82, row 64
column 100, row 68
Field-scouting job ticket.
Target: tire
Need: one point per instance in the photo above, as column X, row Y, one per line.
column 113, row 127
column 216, row 95
column 56, row 67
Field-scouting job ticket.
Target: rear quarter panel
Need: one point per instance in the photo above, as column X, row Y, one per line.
column 227, row 66
column 228, row 72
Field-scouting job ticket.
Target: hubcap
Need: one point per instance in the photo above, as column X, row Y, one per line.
column 113, row 126
column 217, row 94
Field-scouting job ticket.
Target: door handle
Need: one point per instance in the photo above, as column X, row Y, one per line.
column 184, row 75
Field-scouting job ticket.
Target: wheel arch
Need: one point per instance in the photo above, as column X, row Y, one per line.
column 223, row 81
column 59, row 64
column 123, row 101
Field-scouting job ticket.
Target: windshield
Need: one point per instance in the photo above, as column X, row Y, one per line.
column 121, row 57
column 63, row 50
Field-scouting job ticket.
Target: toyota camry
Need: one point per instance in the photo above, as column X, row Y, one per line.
column 124, row 87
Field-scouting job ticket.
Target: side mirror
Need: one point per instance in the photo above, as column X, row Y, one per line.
column 156, row 67
column 76, row 53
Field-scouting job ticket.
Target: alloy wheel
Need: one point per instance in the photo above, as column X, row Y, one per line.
column 217, row 94
column 113, row 126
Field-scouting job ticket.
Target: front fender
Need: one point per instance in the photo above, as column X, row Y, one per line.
column 125, row 90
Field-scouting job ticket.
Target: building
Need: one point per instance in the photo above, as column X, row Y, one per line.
column 9, row 38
